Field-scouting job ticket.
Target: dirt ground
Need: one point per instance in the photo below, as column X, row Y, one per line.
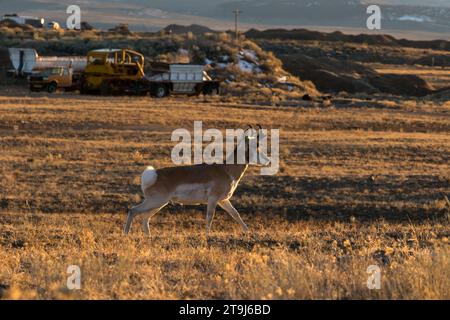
column 362, row 182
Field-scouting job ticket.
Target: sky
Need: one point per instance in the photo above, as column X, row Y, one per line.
column 324, row 15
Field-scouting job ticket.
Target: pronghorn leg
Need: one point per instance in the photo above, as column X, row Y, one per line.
column 146, row 224
column 212, row 204
column 147, row 205
column 146, row 219
column 228, row 207
column 128, row 223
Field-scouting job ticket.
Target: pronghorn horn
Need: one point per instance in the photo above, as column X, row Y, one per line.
column 260, row 133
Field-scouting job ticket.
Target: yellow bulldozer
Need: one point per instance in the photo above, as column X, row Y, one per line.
column 110, row 71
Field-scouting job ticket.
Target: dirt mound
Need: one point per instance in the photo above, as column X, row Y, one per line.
column 382, row 40
column 333, row 75
column 329, row 74
column 408, row 85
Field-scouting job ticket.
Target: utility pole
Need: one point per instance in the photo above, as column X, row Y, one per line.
column 236, row 12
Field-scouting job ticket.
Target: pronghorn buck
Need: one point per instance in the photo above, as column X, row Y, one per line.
column 211, row 184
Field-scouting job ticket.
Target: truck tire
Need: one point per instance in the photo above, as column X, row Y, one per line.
column 214, row 91
column 84, row 89
column 51, row 87
column 160, row 91
column 139, row 90
column 211, row 90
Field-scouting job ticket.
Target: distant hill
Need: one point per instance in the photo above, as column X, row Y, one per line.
column 371, row 39
column 193, row 28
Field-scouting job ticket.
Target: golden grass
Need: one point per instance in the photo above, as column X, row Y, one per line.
column 359, row 184
column 277, row 260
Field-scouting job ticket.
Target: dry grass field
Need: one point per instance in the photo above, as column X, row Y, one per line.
column 361, row 182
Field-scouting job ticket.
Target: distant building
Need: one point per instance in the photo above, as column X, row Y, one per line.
column 32, row 21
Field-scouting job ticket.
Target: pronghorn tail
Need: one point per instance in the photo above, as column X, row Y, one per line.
column 148, row 178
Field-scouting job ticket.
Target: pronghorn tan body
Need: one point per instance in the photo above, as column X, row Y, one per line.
column 196, row 184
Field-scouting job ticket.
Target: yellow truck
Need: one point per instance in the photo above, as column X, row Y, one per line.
column 52, row 79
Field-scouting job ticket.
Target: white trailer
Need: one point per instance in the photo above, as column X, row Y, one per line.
column 181, row 79
column 185, row 77
column 25, row 61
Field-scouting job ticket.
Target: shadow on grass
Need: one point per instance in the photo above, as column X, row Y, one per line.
column 393, row 198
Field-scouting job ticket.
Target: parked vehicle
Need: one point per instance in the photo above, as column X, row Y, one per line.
column 52, row 79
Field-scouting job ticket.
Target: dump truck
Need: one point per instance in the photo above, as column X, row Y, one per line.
column 121, row 71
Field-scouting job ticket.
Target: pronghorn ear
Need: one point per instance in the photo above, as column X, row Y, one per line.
column 250, row 132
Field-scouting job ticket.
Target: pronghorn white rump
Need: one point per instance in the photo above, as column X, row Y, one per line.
column 211, row 184
column 148, row 178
